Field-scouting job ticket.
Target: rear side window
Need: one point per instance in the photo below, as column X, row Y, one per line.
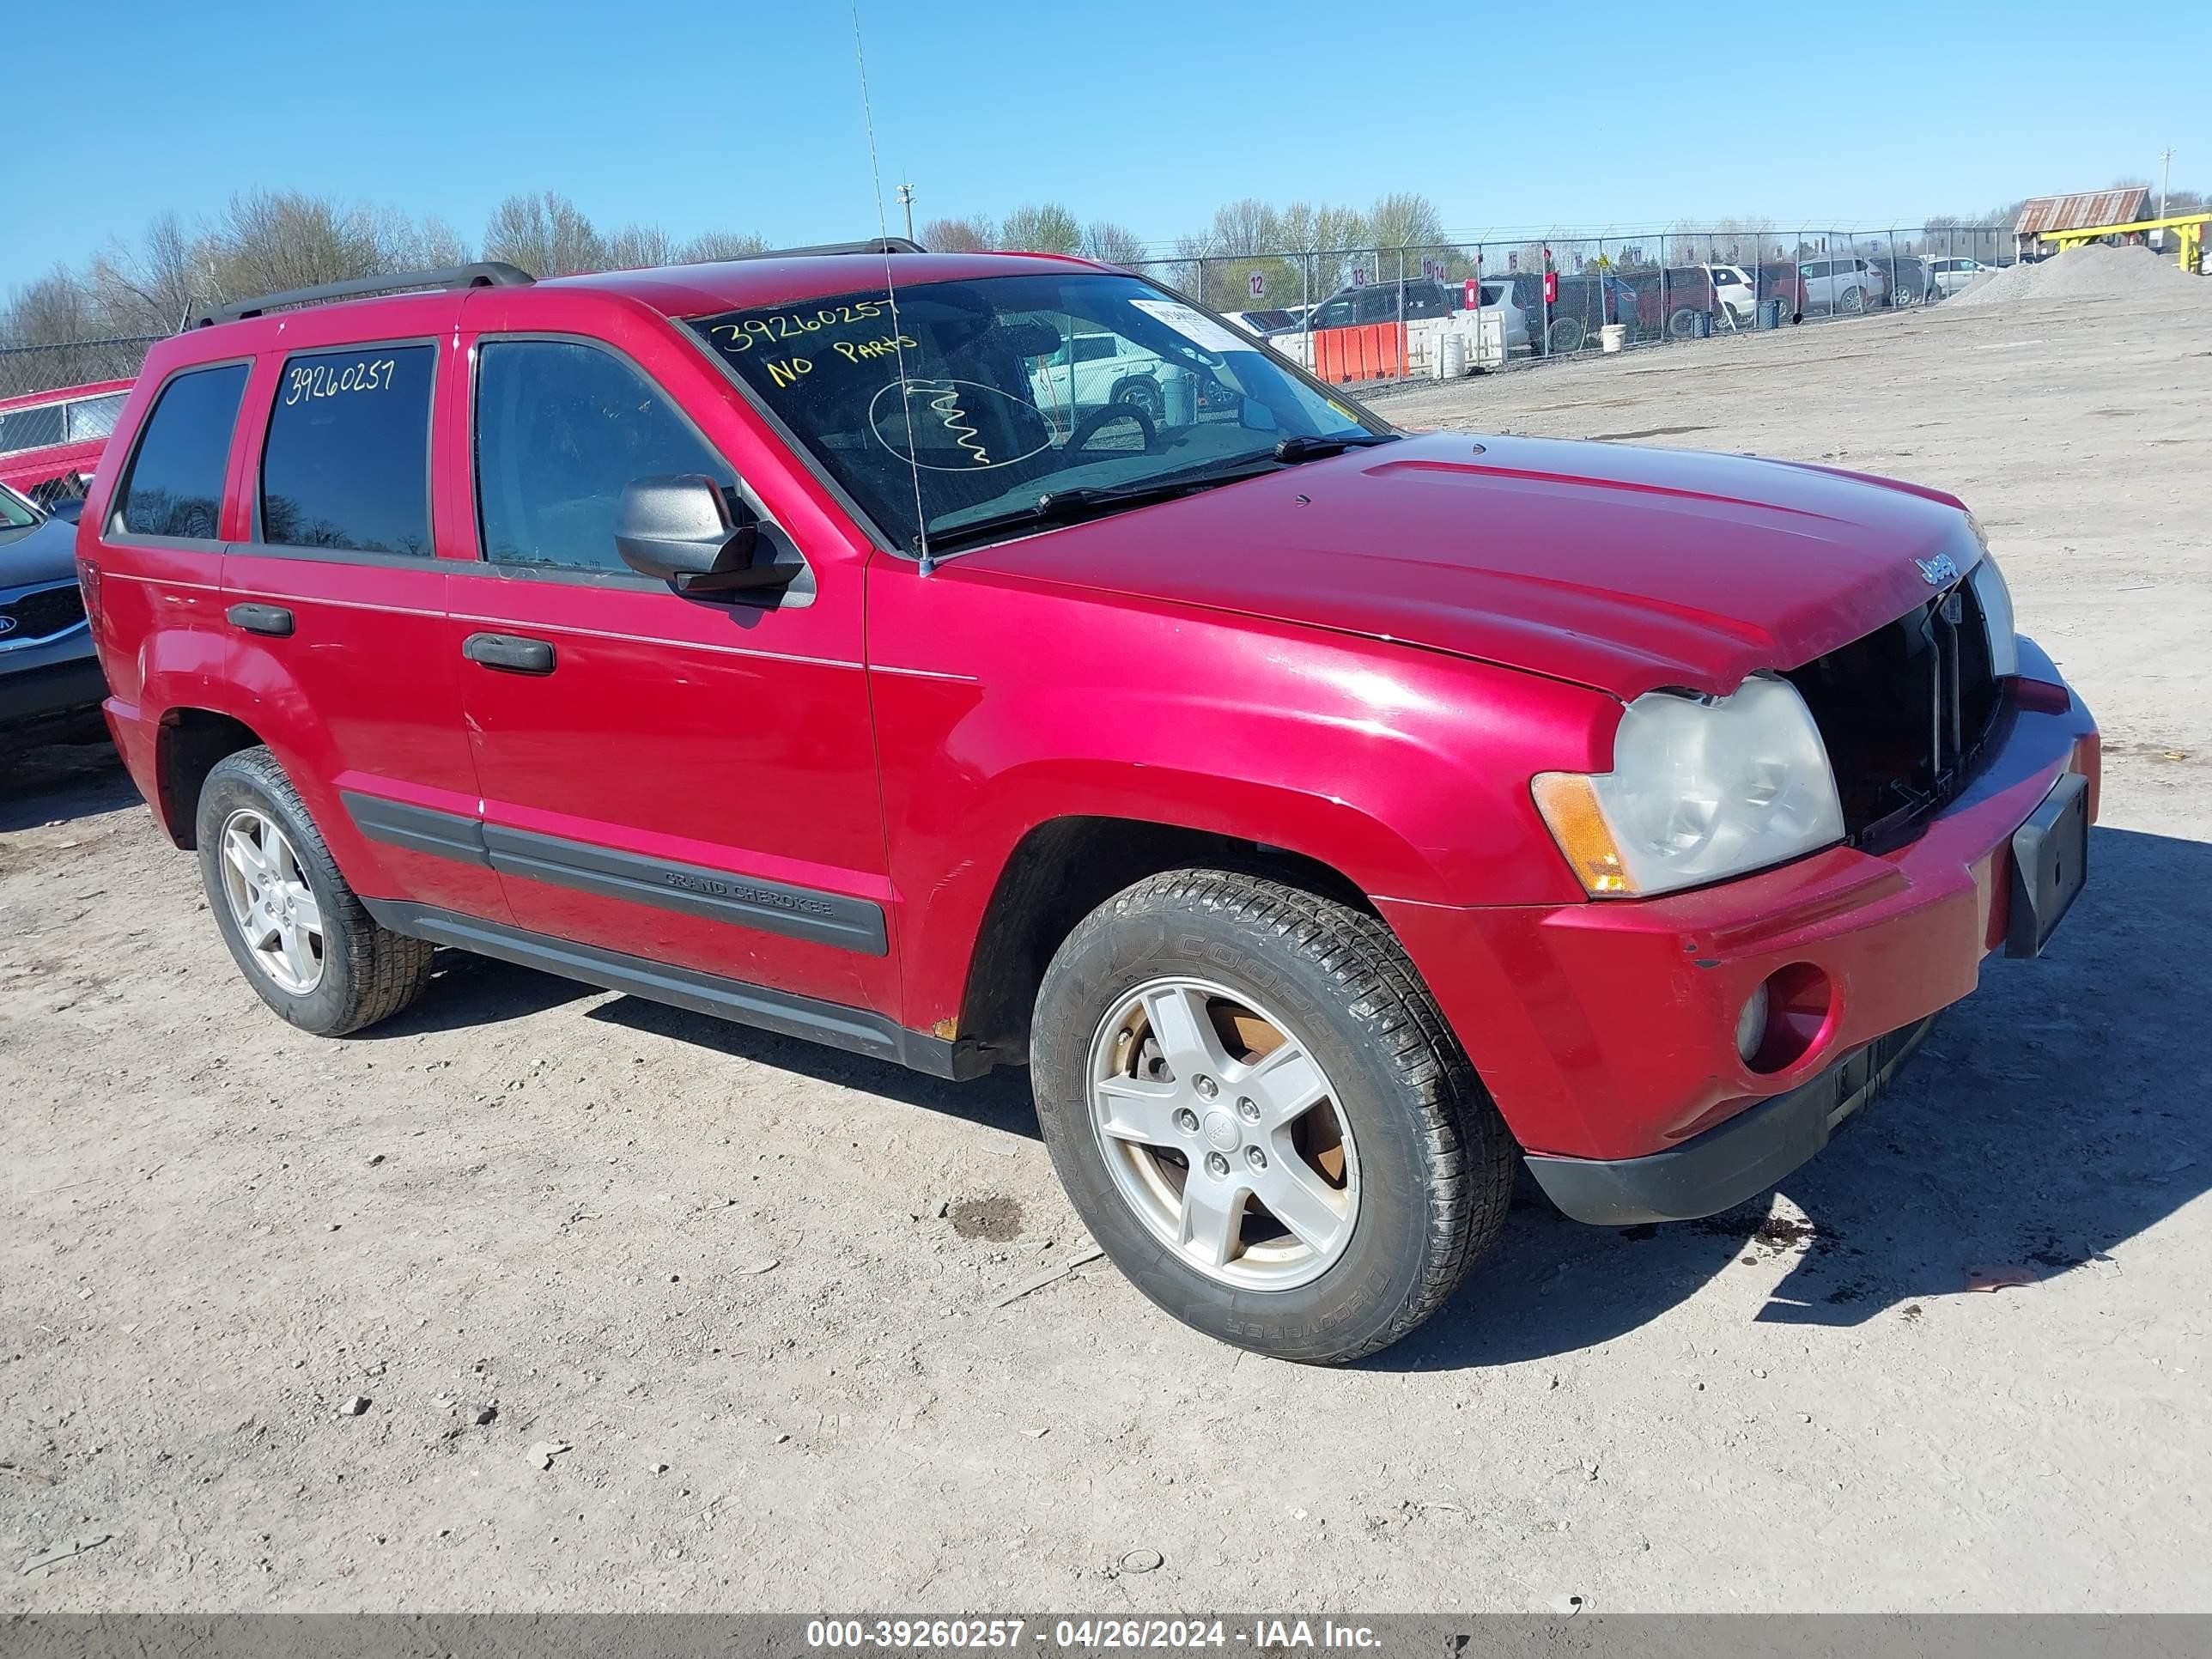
column 176, row 478
column 561, row 428
column 347, row 463
column 94, row 417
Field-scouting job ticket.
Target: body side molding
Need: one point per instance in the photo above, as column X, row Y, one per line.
column 857, row 1031
column 772, row 907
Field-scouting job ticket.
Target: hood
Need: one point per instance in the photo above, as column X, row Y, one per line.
column 43, row 552
column 1621, row 568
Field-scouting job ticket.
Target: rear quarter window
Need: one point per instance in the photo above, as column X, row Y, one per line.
column 347, row 462
column 91, row 418
column 175, row 487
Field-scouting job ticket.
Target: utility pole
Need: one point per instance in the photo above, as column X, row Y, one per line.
column 2165, row 174
column 906, row 201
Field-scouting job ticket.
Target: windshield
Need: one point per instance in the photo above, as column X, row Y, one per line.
column 1019, row 387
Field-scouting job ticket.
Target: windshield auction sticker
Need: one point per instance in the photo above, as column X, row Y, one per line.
column 1199, row 329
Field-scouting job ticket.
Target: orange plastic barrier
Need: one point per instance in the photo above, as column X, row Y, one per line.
column 1370, row 351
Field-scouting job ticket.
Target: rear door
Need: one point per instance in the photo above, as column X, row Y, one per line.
column 336, row 604
column 688, row 780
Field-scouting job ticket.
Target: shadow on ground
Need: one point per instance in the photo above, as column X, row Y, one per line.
column 61, row 782
column 2052, row 1117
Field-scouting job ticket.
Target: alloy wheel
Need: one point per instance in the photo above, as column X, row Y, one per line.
column 1223, row 1134
column 271, row 902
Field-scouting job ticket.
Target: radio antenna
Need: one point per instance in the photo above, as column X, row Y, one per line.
column 890, row 291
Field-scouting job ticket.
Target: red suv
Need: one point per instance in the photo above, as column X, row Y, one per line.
column 50, row 442
column 1331, row 818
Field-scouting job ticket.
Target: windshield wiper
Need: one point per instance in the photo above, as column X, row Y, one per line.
column 1079, row 501
column 1314, row 449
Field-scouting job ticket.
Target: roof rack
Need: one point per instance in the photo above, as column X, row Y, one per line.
column 873, row 244
column 485, row 273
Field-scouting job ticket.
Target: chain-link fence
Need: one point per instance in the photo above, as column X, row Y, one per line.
column 57, row 406
column 33, row 368
column 1368, row 316
column 1561, row 295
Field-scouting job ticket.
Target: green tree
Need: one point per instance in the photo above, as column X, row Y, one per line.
column 1044, row 228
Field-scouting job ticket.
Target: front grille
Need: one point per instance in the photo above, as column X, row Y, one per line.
column 1904, row 712
column 39, row 616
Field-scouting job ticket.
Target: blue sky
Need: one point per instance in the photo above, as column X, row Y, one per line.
column 747, row 117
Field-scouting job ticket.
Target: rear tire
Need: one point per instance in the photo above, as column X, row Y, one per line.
column 1422, row 1167
column 298, row 933
column 1565, row 336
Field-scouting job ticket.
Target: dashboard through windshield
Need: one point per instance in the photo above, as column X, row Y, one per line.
column 962, row 404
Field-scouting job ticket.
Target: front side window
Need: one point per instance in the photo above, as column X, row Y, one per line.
column 347, row 462
column 175, row 487
column 985, row 426
column 560, row 427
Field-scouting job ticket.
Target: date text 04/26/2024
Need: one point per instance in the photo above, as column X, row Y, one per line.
column 1004, row 1634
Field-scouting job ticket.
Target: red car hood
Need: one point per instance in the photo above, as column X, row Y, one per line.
column 1622, row 568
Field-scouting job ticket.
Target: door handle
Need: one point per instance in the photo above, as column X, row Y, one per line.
column 273, row 619
column 511, row 652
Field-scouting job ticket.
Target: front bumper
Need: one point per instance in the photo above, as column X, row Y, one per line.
column 1733, row 1161
column 49, row 689
column 1606, row 1030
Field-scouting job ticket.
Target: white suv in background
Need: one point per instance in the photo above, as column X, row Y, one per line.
column 1850, row 286
column 1948, row 276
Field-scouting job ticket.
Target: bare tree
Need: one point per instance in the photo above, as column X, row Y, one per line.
column 973, row 234
column 155, row 287
column 47, row 310
column 712, row 244
column 428, row 244
column 638, row 247
column 1245, row 227
column 547, row 235
column 270, row 241
column 1111, row 244
column 1045, row 228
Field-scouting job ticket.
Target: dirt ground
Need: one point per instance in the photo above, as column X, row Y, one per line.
column 739, row 1308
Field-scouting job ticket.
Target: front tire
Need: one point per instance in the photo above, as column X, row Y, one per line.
column 1263, row 1118
column 1146, row 397
column 298, row 933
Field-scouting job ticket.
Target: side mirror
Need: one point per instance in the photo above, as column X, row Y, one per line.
column 684, row 530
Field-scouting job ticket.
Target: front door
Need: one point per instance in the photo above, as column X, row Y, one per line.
column 683, row 780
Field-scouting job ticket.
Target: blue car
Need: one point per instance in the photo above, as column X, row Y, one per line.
column 49, row 676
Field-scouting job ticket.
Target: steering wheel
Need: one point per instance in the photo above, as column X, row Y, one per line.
column 1089, row 425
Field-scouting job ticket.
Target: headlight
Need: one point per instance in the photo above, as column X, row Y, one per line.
column 1701, row 788
column 1996, row 600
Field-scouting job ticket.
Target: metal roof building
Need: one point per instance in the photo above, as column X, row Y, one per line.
column 2041, row 214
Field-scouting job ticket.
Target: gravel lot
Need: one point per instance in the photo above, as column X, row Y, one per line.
column 710, row 1265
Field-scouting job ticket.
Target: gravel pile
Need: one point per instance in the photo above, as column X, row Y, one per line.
column 2081, row 273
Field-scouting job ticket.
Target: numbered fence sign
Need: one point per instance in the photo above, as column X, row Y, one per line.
column 1359, row 275
column 1473, row 299
column 1258, row 285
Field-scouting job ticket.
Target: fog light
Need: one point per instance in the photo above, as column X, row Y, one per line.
column 1751, row 1024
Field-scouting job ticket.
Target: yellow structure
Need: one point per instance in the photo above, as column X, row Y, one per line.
column 2188, row 229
